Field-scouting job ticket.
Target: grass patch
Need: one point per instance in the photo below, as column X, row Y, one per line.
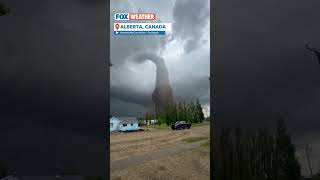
column 155, row 126
column 194, row 139
column 164, row 126
column 199, row 124
column 206, row 144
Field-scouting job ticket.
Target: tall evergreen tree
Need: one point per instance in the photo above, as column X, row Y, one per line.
column 172, row 113
column 175, row 112
column 256, row 155
column 192, row 112
column 187, row 112
column 167, row 114
column 180, row 112
column 288, row 165
column 200, row 113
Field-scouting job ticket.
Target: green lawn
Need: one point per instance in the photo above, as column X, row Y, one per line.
column 155, row 126
column 199, row 124
column 164, row 126
column 206, row 144
column 195, row 139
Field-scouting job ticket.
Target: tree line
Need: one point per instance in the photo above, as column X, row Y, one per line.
column 181, row 111
column 255, row 155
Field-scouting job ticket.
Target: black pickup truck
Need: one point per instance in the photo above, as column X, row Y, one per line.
column 180, row 125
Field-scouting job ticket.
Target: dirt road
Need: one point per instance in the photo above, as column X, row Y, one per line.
column 161, row 154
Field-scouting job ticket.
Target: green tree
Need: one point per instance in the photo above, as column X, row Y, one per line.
column 180, row 112
column 170, row 113
column 187, row 113
column 184, row 112
column 200, row 114
column 175, row 112
column 288, row 167
column 161, row 120
column 165, row 114
column 255, row 155
column 192, row 112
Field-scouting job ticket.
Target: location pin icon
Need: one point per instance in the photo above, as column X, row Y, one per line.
column 117, row 26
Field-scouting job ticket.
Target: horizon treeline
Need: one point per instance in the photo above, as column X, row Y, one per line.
column 255, row 155
column 191, row 112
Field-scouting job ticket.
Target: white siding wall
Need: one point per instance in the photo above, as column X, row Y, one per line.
column 115, row 124
column 129, row 127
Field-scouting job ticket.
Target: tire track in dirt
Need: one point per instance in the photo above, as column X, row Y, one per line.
column 161, row 154
column 124, row 149
column 122, row 138
column 145, row 141
column 158, row 154
column 145, row 144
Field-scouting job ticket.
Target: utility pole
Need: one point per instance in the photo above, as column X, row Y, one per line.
column 154, row 112
column 307, row 153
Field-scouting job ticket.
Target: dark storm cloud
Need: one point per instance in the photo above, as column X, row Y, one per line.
column 190, row 22
column 261, row 64
column 131, row 96
column 124, row 108
column 52, row 56
column 264, row 54
column 196, row 87
column 53, row 86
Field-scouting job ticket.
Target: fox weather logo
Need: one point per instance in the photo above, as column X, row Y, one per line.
column 152, row 28
column 134, row 16
column 121, row 16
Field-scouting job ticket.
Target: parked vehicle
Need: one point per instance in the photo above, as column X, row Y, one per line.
column 180, row 125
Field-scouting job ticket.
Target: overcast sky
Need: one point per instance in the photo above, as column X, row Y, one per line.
column 262, row 66
column 186, row 52
column 53, row 92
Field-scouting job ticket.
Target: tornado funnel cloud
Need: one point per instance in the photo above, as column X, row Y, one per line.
column 162, row 93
